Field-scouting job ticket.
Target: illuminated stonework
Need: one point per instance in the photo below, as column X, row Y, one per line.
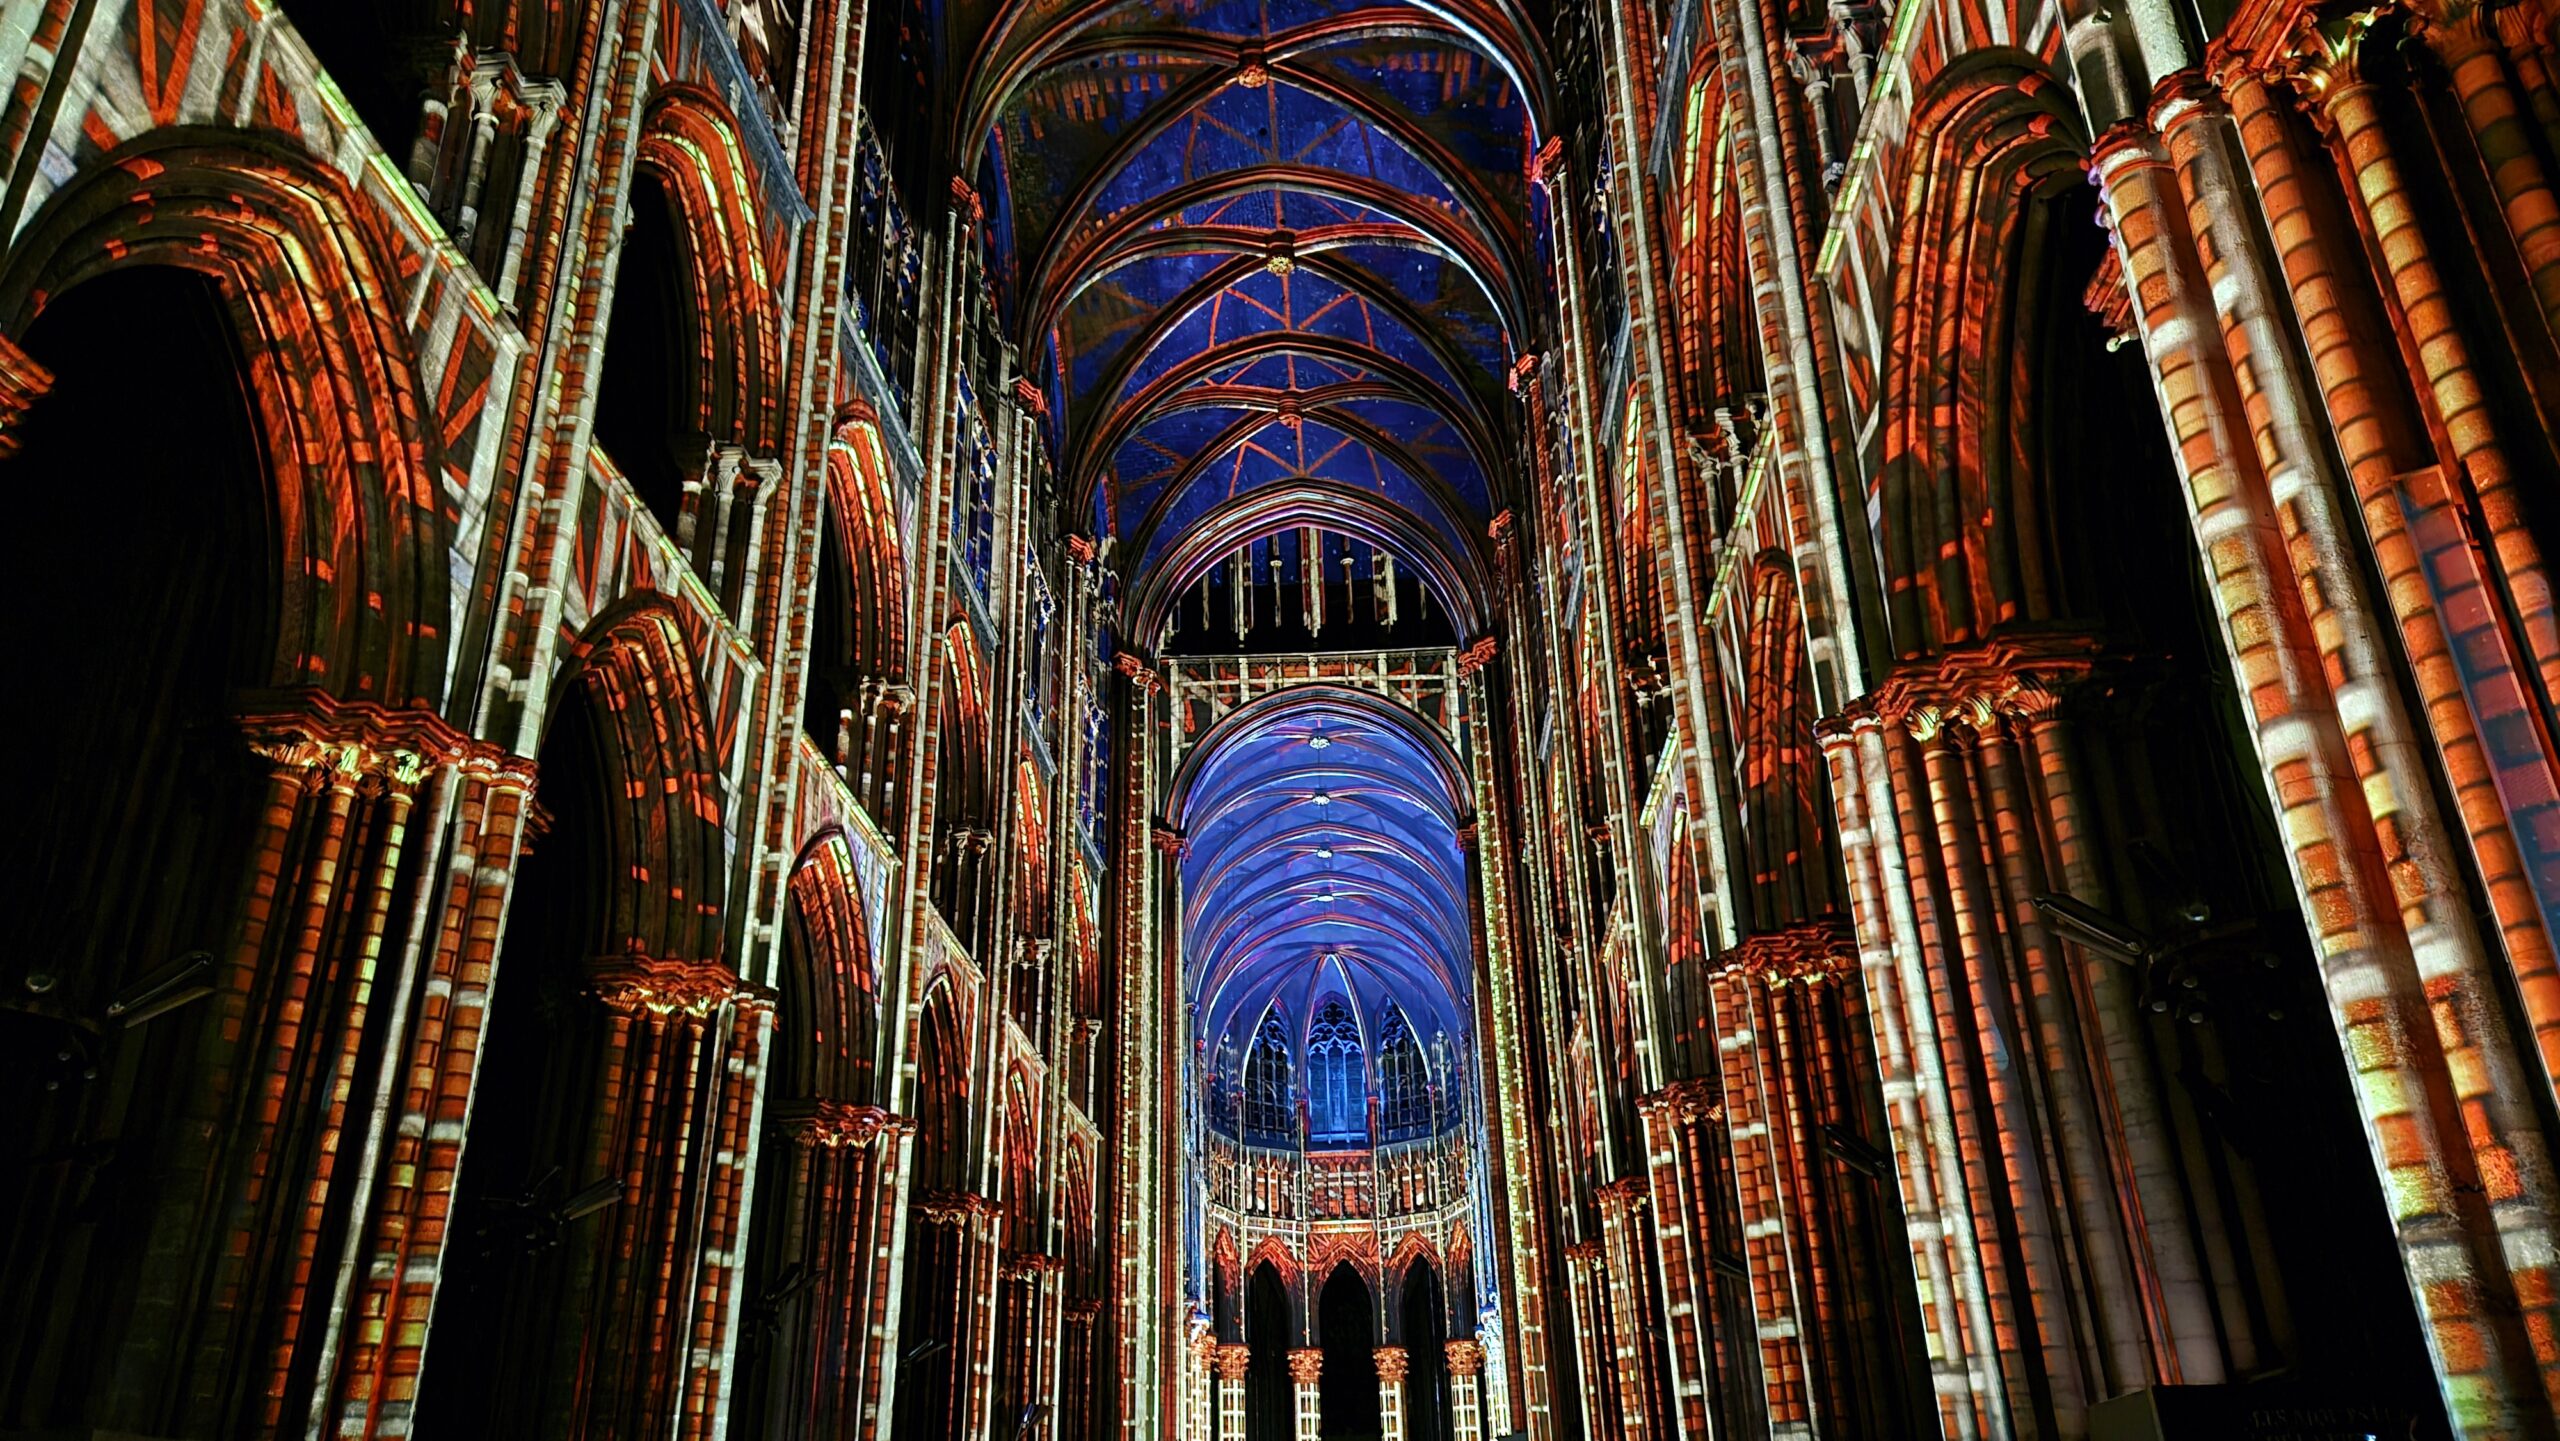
column 1220, row 723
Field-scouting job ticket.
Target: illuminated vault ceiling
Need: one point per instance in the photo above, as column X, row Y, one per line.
column 1324, row 861
column 1267, row 257
column 1270, row 261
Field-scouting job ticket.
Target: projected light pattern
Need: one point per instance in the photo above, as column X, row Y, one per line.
column 1324, row 869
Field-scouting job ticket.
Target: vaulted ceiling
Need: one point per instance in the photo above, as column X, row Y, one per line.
column 1271, row 261
column 1324, row 861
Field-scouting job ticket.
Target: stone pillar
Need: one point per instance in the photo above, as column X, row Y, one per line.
column 1233, row 1358
column 1466, row 1363
column 1629, row 1294
column 1199, row 1418
column 1306, row 1368
column 1391, row 1372
column 2401, row 989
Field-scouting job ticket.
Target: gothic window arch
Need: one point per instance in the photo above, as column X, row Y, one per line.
column 1404, row 1081
column 1337, row 1101
column 1267, row 1115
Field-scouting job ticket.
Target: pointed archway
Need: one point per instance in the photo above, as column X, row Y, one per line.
column 1347, row 1330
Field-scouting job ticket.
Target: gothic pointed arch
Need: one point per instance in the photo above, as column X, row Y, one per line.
column 358, row 499
column 615, row 982
column 1965, row 513
column 1794, row 863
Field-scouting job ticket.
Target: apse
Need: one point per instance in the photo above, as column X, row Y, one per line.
column 1324, row 898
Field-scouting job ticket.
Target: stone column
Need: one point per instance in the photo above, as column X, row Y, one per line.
column 1391, row 1370
column 1233, row 1357
column 1306, row 1368
column 1199, row 1418
column 1466, row 1363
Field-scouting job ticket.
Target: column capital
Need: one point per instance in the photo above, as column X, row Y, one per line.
column 1234, row 1357
column 1306, row 1365
column 668, row 987
column 1466, row 1357
column 2183, row 96
column 1805, row 954
column 1032, row 1265
column 1691, row 1101
column 1976, row 686
column 834, row 1125
column 954, row 1208
column 1478, row 655
column 376, row 745
column 1392, row 1363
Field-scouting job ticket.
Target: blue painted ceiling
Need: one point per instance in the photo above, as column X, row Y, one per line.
column 1323, row 861
column 1243, row 243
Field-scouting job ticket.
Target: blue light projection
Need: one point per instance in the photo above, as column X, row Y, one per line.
column 1259, row 243
column 1324, row 870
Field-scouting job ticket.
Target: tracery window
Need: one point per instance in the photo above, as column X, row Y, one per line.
column 1404, row 1081
column 1267, row 1114
column 1337, row 1102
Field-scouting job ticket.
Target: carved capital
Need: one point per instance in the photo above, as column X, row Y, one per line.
column 632, row 984
column 1234, row 1357
column 1169, row 839
column 1624, row 1196
column 1978, row 685
column 1032, row 1265
column 1392, row 1364
column 1477, row 656
column 318, row 739
column 1466, row 1357
column 2184, row 96
column 835, row 1125
column 1028, row 394
column 955, row 1208
column 1805, row 954
column 1688, row 1102
column 964, row 199
column 1306, row 1365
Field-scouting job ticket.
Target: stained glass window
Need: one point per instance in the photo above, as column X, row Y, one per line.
column 1337, row 1102
column 1268, row 1117
column 1404, row 1081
